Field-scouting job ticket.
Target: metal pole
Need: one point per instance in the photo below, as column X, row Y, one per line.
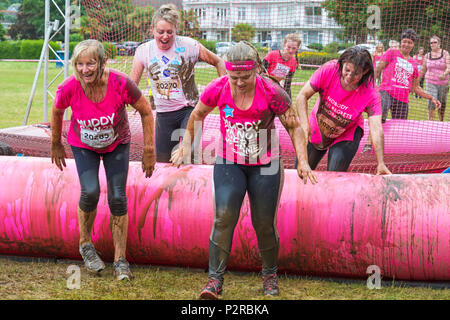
column 36, row 78
column 67, row 39
column 68, row 26
column 47, row 36
column 230, row 21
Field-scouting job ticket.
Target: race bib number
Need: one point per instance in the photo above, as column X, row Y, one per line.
column 97, row 139
column 280, row 70
column 169, row 89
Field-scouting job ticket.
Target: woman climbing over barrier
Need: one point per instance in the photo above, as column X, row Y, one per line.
column 249, row 160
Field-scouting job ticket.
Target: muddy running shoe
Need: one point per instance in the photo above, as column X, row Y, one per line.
column 122, row 270
column 212, row 290
column 270, row 285
column 91, row 259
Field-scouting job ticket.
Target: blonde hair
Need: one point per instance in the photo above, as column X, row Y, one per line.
column 292, row 37
column 90, row 47
column 167, row 12
column 437, row 38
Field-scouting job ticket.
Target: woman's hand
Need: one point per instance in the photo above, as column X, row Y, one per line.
column 148, row 162
column 382, row 169
column 178, row 155
column 58, row 155
column 437, row 103
column 304, row 172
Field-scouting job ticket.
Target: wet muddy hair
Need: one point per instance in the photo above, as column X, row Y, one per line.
column 360, row 58
column 90, row 47
column 243, row 51
column 167, row 12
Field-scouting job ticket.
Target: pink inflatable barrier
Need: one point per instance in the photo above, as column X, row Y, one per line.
column 338, row 227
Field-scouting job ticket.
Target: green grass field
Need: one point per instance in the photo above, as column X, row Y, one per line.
column 48, row 280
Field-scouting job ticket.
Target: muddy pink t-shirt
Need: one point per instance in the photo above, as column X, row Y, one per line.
column 248, row 136
column 398, row 75
column 337, row 113
column 98, row 126
column 170, row 73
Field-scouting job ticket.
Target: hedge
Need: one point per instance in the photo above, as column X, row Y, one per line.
column 210, row 45
column 10, row 49
column 315, row 58
column 31, row 49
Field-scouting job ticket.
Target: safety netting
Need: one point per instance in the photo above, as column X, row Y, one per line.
column 417, row 142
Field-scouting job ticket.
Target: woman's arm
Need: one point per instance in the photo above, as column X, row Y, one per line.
column 212, row 59
column 420, row 92
column 58, row 154
column 447, row 62
column 302, row 108
column 148, row 128
column 380, row 67
column 183, row 153
column 136, row 70
column 376, row 132
column 290, row 122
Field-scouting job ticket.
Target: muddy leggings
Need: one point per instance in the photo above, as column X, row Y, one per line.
column 340, row 155
column 116, row 169
column 231, row 182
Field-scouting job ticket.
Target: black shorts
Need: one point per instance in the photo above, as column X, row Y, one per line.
column 168, row 133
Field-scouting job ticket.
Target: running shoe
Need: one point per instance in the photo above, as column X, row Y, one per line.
column 270, row 285
column 212, row 290
column 122, row 270
column 91, row 259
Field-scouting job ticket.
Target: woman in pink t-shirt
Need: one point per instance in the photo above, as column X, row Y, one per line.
column 99, row 129
column 336, row 123
column 400, row 77
column 248, row 160
column 282, row 64
column 169, row 62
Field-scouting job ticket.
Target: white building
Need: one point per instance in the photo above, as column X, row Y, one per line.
column 272, row 20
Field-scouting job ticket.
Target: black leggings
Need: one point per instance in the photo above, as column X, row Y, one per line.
column 231, row 182
column 116, row 169
column 165, row 125
column 340, row 155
